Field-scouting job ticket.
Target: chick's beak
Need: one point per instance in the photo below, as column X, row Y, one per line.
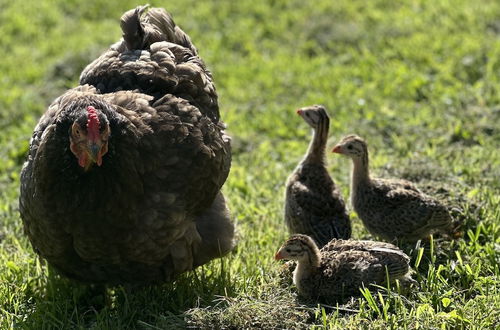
column 299, row 112
column 337, row 149
column 278, row 256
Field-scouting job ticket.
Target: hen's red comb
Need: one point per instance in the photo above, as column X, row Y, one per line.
column 92, row 124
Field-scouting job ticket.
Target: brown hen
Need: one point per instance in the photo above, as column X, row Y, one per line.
column 123, row 177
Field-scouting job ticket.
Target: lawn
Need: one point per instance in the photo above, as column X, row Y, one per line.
column 419, row 80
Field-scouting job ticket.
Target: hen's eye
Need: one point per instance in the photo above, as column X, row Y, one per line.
column 349, row 147
column 288, row 250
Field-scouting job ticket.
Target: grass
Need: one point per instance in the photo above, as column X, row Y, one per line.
column 420, row 80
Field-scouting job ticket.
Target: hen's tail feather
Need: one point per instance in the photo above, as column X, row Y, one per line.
column 133, row 31
column 141, row 29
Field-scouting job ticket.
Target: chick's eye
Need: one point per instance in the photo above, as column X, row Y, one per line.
column 349, row 147
column 288, row 250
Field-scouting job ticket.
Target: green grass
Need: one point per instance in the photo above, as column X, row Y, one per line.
column 420, row 80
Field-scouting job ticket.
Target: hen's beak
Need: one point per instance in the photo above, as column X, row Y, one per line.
column 278, row 256
column 94, row 149
column 337, row 149
column 95, row 152
column 299, row 112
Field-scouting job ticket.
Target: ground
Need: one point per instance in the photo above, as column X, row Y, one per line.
column 419, row 80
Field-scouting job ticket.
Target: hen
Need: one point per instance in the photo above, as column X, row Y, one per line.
column 123, row 177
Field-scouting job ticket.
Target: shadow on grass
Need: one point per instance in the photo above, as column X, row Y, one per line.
column 63, row 303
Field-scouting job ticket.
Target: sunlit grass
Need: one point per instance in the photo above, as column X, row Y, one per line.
column 419, row 80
